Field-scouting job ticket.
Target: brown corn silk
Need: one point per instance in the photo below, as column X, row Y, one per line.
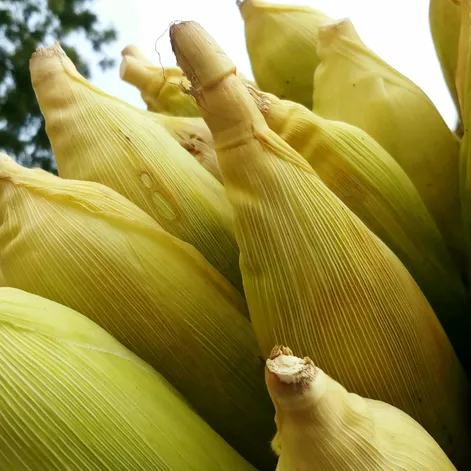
column 315, row 277
column 87, row 247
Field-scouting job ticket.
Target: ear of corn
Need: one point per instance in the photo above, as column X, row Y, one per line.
column 162, row 89
column 87, row 247
column 281, row 42
column 322, row 426
column 370, row 182
column 72, row 397
column 314, row 276
column 352, row 84
column 445, row 20
column 99, row 138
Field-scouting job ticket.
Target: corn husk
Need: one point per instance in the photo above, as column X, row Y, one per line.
column 322, row 426
column 72, row 397
column 195, row 137
column 352, row 84
column 463, row 49
column 99, row 138
column 85, row 246
column 444, row 17
column 281, row 42
column 374, row 187
column 133, row 51
column 315, row 277
column 162, row 89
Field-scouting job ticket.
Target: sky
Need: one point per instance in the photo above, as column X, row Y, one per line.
column 397, row 30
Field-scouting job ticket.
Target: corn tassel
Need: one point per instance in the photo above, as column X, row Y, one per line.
column 281, row 42
column 99, row 138
column 374, row 187
column 85, row 246
column 322, row 426
column 314, row 276
column 352, row 84
column 72, row 397
column 444, row 17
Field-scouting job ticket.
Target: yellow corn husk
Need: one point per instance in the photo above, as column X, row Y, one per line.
column 72, row 397
column 195, row 137
column 370, row 182
column 352, row 84
column 281, row 42
column 134, row 51
column 99, row 138
column 322, row 426
column 315, row 277
column 85, row 246
column 463, row 49
column 162, row 89
column 444, row 18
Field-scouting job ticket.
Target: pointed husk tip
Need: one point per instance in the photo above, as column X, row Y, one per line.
column 286, row 368
column 198, row 55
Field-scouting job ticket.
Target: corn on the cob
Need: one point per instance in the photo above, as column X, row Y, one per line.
column 370, row 182
column 100, row 138
column 352, row 84
column 322, row 426
column 281, row 42
column 314, row 276
column 72, row 397
column 87, row 247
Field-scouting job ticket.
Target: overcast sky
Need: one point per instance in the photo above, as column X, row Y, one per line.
column 397, row 30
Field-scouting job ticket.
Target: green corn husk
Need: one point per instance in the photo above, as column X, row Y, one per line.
column 315, row 277
column 281, row 42
column 72, row 398
column 99, row 138
column 354, row 85
column 445, row 20
column 85, row 246
column 374, row 187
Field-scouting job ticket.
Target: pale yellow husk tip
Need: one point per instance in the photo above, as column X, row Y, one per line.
column 322, row 426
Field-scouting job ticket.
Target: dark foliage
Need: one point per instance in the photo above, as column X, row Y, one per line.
column 24, row 26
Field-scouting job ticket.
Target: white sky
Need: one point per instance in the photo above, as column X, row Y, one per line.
column 397, row 30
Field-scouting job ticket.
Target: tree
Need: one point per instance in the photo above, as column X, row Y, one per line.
column 24, row 26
